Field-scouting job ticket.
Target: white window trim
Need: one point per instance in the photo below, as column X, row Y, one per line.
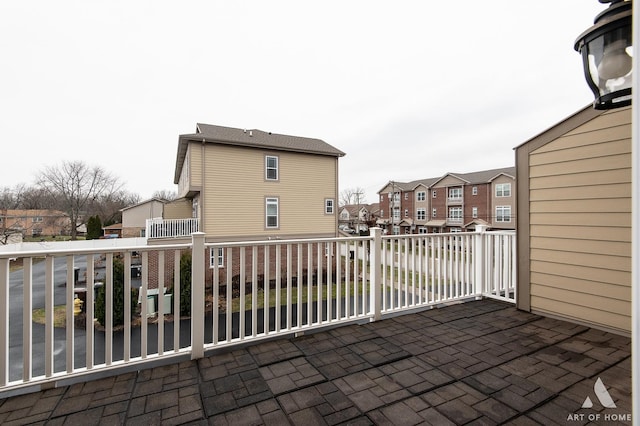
column 501, row 218
column 421, row 196
column 328, row 206
column 500, row 189
column 267, row 168
column 220, row 257
column 271, row 201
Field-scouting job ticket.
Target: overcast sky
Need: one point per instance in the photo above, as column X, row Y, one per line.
column 407, row 89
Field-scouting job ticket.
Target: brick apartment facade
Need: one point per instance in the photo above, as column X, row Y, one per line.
column 452, row 203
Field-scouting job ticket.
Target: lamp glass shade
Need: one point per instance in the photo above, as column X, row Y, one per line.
column 606, row 50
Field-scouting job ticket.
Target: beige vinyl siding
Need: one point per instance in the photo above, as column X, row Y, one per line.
column 580, row 223
column 449, row 181
column 195, row 165
column 236, row 188
column 178, row 209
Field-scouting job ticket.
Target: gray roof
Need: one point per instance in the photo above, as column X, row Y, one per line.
column 251, row 138
column 484, row 176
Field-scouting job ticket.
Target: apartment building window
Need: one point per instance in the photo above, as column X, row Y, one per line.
column 455, row 193
column 381, row 198
column 503, row 213
column 406, row 195
column 433, row 213
column 421, row 196
column 406, row 213
column 455, row 214
column 503, row 190
column 396, row 213
column 396, row 230
column 422, row 230
column 216, row 258
column 36, row 219
column 474, row 190
column 381, row 213
column 328, row 206
column 272, row 212
column 434, row 193
column 421, row 214
column 474, row 212
column 271, row 165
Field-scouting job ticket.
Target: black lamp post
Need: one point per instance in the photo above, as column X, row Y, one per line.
column 606, row 55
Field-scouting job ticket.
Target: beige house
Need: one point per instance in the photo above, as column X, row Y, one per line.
column 249, row 184
column 134, row 218
column 574, row 220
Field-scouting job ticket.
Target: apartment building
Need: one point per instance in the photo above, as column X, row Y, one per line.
column 454, row 202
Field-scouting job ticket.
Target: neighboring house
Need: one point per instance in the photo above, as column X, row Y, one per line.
column 134, row 218
column 243, row 185
column 250, row 184
column 357, row 216
column 574, row 220
column 34, row 223
column 112, row 231
column 452, row 203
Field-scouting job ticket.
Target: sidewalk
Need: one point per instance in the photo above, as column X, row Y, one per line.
column 481, row 362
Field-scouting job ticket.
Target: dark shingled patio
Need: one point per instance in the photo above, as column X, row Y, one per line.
column 481, row 362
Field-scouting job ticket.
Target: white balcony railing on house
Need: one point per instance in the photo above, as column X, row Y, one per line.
column 171, row 228
column 238, row 292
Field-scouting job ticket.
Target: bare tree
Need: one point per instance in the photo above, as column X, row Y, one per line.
column 164, row 194
column 352, row 196
column 76, row 186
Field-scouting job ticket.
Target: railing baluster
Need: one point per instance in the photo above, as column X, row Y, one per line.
column 254, row 291
column 242, row 287
column 4, row 323
column 69, row 314
column 160, row 307
column 49, row 341
column 266, row 284
column 27, row 318
column 108, row 309
column 89, row 311
column 126, row 356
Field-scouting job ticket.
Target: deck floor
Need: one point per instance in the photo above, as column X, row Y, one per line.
column 481, row 362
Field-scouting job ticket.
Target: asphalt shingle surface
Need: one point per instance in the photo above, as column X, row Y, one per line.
column 481, row 362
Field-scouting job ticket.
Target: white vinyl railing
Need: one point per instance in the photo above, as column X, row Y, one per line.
column 229, row 293
column 171, row 228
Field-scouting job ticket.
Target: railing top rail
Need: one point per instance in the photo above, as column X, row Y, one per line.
column 93, row 250
column 275, row 242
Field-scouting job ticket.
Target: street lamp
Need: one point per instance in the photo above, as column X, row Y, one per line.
column 606, row 50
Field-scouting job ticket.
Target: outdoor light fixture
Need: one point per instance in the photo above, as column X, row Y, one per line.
column 606, row 50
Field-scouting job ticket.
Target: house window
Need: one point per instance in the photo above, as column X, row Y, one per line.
column 396, row 230
column 421, row 196
column 36, row 219
column 406, row 195
column 271, row 167
column 503, row 190
column 434, row 193
column 455, row 193
column 474, row 190
column 272, row 212
column 503, row 213
column 474, row 212
column 422, row 230
column 406, row 213
column 433, row 213
column 455, row 214
column 219, row 257
column 421, row 214
column 328, row 206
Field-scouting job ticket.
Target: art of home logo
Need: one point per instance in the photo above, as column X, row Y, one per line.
column 604, row 398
